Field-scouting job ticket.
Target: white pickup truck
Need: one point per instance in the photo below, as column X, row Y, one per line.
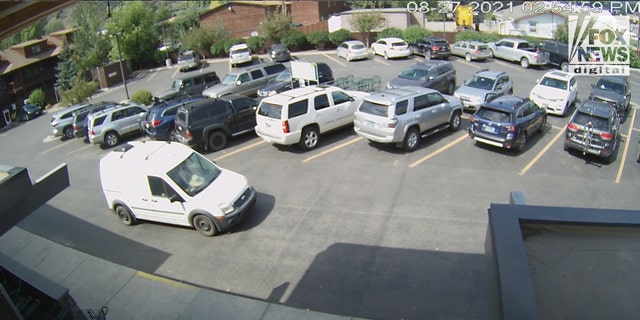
column 513, row 49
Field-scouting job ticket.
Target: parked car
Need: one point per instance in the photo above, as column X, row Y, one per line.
column 594, row 129
column 431, row 48
column 484, row 86
column 80, row 118
column 29, row 111
column 283, row 81
column 107, row 127
column 190, row 85
column 188, row 60
column 406, row 115
column 438, row 75
column 239, row 54
column 279, row 53
column 302, row 115
column 556, row 92
column 471, row 50
column 391, row 48
column 519, row 50
column 613, row 90
column 246, row 81
column 159, row 124
column 171, row 183
column 62, row 121
column 211, row 122
column 352, row 50
column 507, row 122
column 558, row 53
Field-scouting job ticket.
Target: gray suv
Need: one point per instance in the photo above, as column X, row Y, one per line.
column 438, row 75
column 405, row 115
column 484, row 86
column 246, row 81
column 107, row 126
column 62, row 121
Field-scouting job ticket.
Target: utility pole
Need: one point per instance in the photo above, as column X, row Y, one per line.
column 124, row 79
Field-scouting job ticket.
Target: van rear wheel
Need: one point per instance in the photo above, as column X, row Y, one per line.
column 204, row 225
column 125, row 216
column 217, row 141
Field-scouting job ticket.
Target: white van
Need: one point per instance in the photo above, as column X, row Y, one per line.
column 170, row 183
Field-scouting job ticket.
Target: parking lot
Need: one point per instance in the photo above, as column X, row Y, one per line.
column 352, row 227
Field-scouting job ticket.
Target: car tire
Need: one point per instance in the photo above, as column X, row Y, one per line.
column 111, row 139
column 309, row 138
column 491, row 53
column 454, row 122
column 522, row 142
column 67, row 132
column 172, row 135
column 511, row 91
column 427, row 55
column 386, row 56
column 524, row 62
column 566, row 109
column 125, row 215
column 411, row 140
column 451, row 88
column 204, row 225
column 467, row 57
column 564, row 66
column 216, row 141
column 614, row 153
column 543, row 125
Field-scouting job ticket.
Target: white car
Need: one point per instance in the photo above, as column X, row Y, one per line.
column 353, row 50
column 391, row 48
column 239, row 54
column 556, row 91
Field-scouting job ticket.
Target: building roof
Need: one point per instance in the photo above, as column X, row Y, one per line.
column 265, row 3
column 11, row 60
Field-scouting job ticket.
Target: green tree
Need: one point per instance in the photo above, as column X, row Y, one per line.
column 53, row 24
column 67, row 70
column 38, row 98
column 199, row 39
column 90, row 46
column 275, row 27
column 561, row 33
column 256, row 43
column 295, row 40
column 339, row 36
column 391, row 32
column 80, row 91
column 366, row 22
column 141, row 96
column 415, row 33
column 318, row 38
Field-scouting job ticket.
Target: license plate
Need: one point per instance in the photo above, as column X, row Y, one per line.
column 489, row 129
column 370, row 124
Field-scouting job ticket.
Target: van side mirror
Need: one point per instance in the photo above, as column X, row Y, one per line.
column 175, row 198
column 238, row 83
column 431, row 77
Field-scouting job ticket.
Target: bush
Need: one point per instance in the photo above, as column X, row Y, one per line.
column 391, row 32
column 37, row 97
column 221, row 48
column 295, row 40
column 471, row 35
column 142, row 97
column 318, row 38
column 634, row 60
column 256, row 43
column 80, row 90
column 415, row 33
column 339, row 36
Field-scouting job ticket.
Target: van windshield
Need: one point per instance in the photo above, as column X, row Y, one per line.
column 194, row 174
column 229, row 79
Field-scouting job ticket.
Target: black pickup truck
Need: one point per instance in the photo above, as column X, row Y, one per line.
column 210, row 122
column 558, row 53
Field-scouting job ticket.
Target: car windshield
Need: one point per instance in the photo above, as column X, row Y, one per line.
column 30, row 107
column 413, row 74
column 611, row 86
column 270, row 110
column 240, row 51
column 440, row 43
column 176, row 84
column 229, row 79
column 194, row 174
column 480, row 82
column 554, row 83
column 586, row 120
column 493, row 115
column 284, row 76
column 357, row 46
column 185, row 57
column 399, row 44
column 375, row 109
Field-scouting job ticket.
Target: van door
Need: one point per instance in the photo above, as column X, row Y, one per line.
column 245, row 113
column 131, row 122
column 161, row 203
column 243, row 85
column 198, row 85
column 344, row 108
column 258, row 81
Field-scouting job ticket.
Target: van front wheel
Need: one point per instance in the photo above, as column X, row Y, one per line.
column 125, row 216
column 204, row 225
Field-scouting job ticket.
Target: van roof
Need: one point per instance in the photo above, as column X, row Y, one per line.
column 154, row 156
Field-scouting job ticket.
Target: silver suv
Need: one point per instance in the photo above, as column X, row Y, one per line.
column 484, row 86
column 62, row 121
column 245, row 81
column 107, row 126
column 405, row 115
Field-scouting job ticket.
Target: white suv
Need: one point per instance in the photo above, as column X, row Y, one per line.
column 107, row 126
column 555, row 92
column 301, row 115
column 239, row 53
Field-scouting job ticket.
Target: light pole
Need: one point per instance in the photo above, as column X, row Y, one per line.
column 124, row 80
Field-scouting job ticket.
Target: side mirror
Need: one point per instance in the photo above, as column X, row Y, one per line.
column 431, row 78
column 538, row 80
column 175, row 198
column 238, row 83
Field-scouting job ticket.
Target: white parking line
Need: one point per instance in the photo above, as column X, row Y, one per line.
column 626, row 148
column 468, row 63
column 542, row 152
column 380, row 61
column 54, row 148
column 175, row 73
column 332, row 149
column 239, row 150
column 508, row 65
column 435, row 153
column 152, row 75
column 76, row 150
column 334, row 60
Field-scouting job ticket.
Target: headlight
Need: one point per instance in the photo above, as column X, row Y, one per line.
column 389, row 86
column 226, row 208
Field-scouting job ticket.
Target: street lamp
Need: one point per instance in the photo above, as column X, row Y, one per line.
column 124, row 80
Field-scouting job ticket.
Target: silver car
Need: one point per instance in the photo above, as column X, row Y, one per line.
column 188, row 60
column 62, row 121
column 108, row 126
column 352, row 50
column 471, row 50
column 245, row 81
column 483, row 86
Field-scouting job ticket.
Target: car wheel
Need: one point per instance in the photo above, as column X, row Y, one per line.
column 491, row 53
column 68, row 132
column 217, row 141
column 427, row 55
column 310, row 138
column 467, row 57
column 614, row 154
column 524, row 62
column 522, row 142
column 386, row 56
column 511, row 91
column 204, row 225
column 412, row 139
column 347, row 58
column 451, row 88
column 111, row 139
column 172, row 135
column 543, row 125
column 564, row 66
column 125, row 216
column 454, row 123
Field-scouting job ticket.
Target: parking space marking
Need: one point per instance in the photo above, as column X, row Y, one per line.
column 380, row 61
column 509, row 65
column 354, row 140
column 54, row 148
column 175, row 73
column 164, row 280
column 239, row 150
column 468, row 63
column 626, row 148
column 556, row 127
column 635, row 129
column 542, row 152
column 153, row 74
column 334, row 60
column 442, row 149
column 76, row 150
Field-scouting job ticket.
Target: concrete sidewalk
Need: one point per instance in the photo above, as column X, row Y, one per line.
column 132, row 294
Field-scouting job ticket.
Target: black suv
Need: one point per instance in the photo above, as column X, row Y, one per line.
column 593, row 129
column 558, row 53
column 211, row 122
column 507, row 122
column 436, row 48
column 438, row 75
column 613, row 90
column 283, row 81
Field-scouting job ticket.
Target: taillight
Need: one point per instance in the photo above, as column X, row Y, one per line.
column 572, row 127
column 475, row 51
column 285, row 126
column 92, row 133
column 606, row 135
column 435, row 48
column 155, row 123
column 392, row 124
column 75, row 127
column 189, row 136
column 511, row 128
column 472, row 120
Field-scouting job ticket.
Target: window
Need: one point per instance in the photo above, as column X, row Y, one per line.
column 133, row 111
column 243, row 78
column 194, row 174
column 242, row 105
column 321, row 102
column 420, row 102
column 435, row 98
column 573, row 82
column 401, row 107
column 444, row 69
column 274, row 68
column 298, row 108
column 171, row 111
column 209, row 78
column 159, row 187
column 256, row 74
column 533, row 26
column 340, row 97
column 270, row 110
column 219, row 107
column 117, row 115
column 99, row 121
column 198, row 80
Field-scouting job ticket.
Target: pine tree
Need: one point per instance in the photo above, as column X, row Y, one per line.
column 67, row 70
